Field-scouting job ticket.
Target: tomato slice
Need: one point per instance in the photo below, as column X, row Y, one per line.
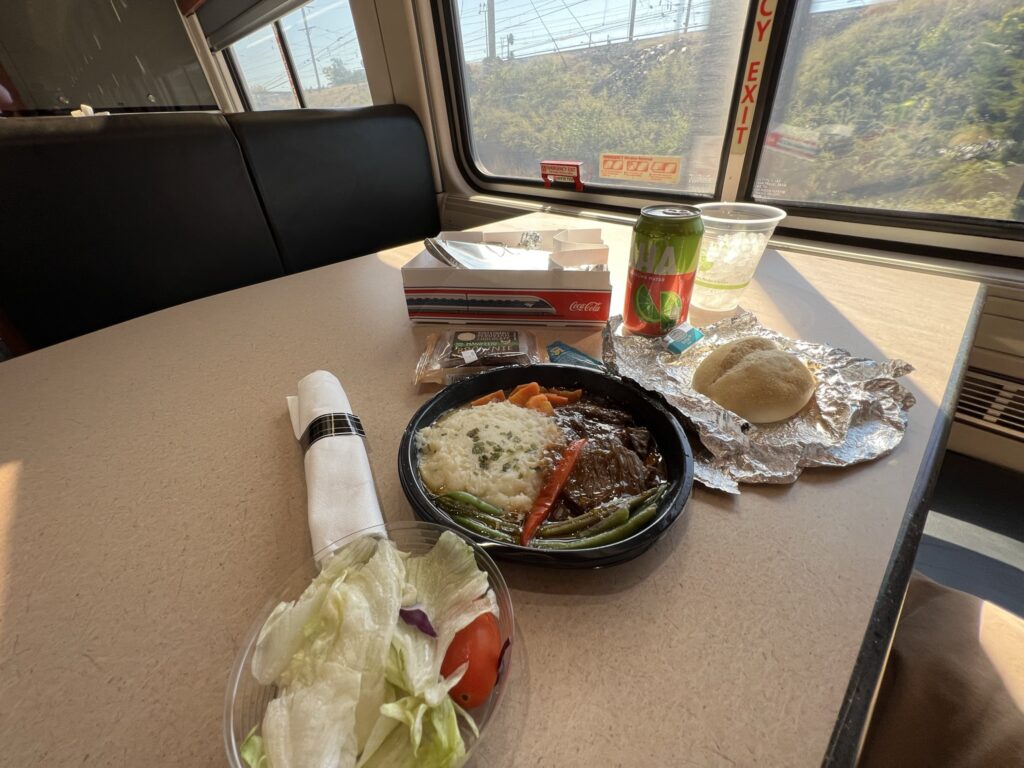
column 479, row 643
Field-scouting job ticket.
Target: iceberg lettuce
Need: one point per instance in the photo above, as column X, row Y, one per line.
column 283, row 633
column 357, row 686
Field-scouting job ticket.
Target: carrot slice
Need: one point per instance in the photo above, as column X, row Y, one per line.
column 540, row 403
column 551, row 490
column 556, row 400
column 572, row 395
column 524, row 393
column 494, row 397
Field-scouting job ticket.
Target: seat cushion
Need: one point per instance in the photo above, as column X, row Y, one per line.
column 953, row 689
column 340, row 183
column 106, row 218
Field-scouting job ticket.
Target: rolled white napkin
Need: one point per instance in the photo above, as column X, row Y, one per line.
column 339, row 486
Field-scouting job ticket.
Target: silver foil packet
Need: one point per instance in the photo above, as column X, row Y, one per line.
column 858, row 413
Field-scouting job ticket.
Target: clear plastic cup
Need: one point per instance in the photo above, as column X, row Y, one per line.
column 735, row 236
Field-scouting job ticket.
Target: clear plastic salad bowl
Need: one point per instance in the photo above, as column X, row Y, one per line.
column 246, row 699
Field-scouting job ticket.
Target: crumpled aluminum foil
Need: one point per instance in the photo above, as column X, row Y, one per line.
column 859, row 411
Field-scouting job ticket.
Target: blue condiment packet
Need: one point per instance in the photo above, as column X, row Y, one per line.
column 682, row 337
column 563, row 354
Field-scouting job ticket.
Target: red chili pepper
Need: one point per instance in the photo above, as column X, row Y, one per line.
column 551, row 490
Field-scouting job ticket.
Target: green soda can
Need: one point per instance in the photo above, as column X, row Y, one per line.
column 662, row 267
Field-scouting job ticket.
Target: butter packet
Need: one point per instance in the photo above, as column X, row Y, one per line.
column 682, row 337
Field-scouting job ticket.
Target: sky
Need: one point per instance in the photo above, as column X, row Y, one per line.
column 542, row 26
column 535, row 27
column 331, row 35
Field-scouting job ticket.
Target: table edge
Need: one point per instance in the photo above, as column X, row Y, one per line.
column 851, row 723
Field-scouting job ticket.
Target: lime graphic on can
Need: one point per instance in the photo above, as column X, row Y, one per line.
column 645, row 307
column 671, row 307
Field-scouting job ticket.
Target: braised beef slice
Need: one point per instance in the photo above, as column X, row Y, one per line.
column 606, row 470
column 597, row 413
column 619, row 460
column 639, row 440
column 591, row 421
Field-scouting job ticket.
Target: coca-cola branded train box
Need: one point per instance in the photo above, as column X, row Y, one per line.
column 545, row 277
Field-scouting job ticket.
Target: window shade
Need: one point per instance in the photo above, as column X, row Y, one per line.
column 227, row 21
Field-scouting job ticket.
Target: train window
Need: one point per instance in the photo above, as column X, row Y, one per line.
column 117, row 56
column 310, row 57
column 906, row 105
column 264, row 73
column 638, row 92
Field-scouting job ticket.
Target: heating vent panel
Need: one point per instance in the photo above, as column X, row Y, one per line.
column 993, row 403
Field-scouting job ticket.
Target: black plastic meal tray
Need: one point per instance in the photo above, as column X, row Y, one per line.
column 648, row 410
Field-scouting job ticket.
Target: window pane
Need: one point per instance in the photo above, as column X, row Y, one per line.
column 109, row 54
column 577, row 79
column 324, row 46
column 905, row 105
column 261, row 66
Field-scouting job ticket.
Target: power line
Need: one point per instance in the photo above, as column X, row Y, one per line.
column 541, row 19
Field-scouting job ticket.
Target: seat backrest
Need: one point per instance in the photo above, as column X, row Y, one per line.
column 107, row 218
column 337, row 184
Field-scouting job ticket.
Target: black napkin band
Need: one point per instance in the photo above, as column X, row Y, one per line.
column 329, row 425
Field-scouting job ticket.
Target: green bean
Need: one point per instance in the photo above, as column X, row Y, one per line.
column 628, row 528
column 497, row 523
column 454, row 508
column 587, row 519
column 474, row 525
column 473, row 501
column 641, row 500
column 500, row 524
column 573, row 524
column 615, row 519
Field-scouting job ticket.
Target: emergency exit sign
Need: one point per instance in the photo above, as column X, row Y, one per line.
column 763, row 20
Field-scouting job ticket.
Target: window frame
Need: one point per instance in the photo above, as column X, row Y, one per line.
column 949, row 236
column 614, row 198
column 370, row 49
column 914, row 220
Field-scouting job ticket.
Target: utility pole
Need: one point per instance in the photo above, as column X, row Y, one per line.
column 491, row 47
column 312, row 56
column 632, row 18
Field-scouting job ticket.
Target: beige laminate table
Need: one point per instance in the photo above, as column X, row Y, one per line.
column 152, row 495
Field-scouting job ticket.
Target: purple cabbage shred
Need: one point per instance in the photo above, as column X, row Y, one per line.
column 415, row 617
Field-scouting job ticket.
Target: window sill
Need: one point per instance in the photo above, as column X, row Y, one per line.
column 462, row 211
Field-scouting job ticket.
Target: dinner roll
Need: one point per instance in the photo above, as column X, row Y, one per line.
column 756, row 380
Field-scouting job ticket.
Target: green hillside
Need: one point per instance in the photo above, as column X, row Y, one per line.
column 928, row 95
column 934, row 93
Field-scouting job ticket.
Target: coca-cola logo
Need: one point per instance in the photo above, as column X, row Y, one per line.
column 585, row 306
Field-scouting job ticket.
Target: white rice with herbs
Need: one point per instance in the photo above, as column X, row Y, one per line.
column 493, row 451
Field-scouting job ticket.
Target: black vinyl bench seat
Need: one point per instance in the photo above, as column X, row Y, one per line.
column 103, row 219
